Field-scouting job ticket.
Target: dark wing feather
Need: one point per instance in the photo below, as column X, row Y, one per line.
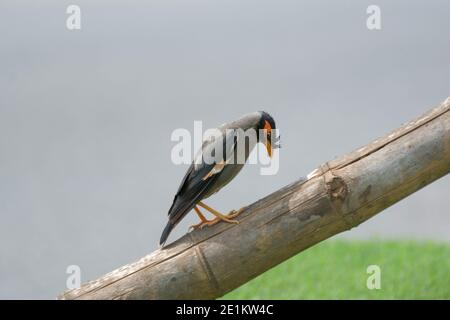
column 190, row 192
column 194, row 186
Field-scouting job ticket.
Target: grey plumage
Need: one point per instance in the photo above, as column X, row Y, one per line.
column 204, row 178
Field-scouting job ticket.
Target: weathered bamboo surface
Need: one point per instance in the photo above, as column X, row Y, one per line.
column 337, row 196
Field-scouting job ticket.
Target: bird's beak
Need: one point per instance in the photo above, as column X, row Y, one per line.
column 268, row 130
column 269, row 148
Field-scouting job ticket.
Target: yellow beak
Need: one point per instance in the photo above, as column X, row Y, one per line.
column 269, row 148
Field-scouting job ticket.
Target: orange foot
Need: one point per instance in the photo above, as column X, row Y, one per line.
column 235, row 213
column 204, row 223
column 219, row 217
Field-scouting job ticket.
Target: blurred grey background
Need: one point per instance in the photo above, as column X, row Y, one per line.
column 86, row 116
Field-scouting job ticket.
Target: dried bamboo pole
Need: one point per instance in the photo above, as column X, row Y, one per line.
column 339, row 195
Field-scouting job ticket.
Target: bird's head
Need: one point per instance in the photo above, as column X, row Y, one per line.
column 266, row 128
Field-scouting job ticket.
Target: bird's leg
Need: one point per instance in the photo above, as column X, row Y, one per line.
column 218, row 215
column 203, row 220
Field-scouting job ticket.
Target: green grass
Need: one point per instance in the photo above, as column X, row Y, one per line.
column 337, row 270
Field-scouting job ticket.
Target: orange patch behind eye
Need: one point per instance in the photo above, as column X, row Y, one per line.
column 267, row 126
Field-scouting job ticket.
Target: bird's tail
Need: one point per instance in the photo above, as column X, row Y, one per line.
column 166, row 233
column 177, row 211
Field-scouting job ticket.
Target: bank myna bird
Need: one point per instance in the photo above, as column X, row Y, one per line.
column 204, row 178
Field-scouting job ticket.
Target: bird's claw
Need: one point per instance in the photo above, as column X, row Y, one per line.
column 230, row 221
column 235, row 213
column 209, row 223
column 202, row 224
column 197, row 226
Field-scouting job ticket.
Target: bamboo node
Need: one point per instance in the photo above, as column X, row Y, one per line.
column 337, row 188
